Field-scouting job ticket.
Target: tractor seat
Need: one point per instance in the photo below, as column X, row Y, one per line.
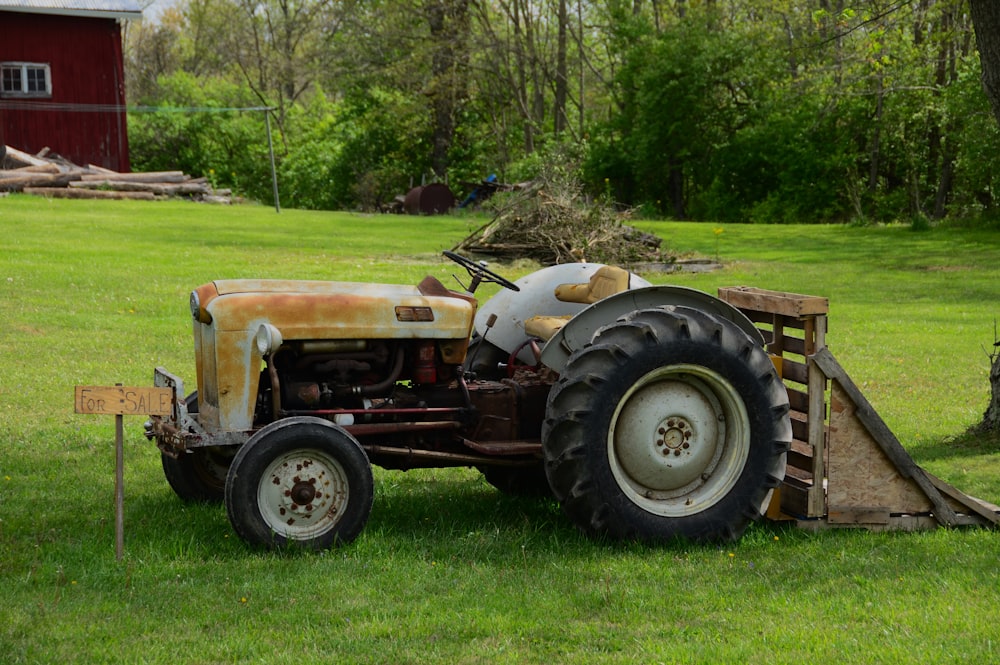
column 432, row 286
column 607, row 281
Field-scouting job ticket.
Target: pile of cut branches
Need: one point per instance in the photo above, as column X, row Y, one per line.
column 551, row 221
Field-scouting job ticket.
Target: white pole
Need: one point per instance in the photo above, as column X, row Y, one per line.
column 270, row 150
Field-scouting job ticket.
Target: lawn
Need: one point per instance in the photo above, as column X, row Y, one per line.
column 448, row 570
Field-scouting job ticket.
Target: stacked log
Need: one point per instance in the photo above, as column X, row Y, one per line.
column 54, row 177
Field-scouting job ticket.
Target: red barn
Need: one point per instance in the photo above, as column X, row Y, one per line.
column 62, row 83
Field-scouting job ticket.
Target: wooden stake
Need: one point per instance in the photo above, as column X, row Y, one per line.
column 119, row 486
column 120, row 401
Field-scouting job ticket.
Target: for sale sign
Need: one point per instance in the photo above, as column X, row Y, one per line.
column 124, row 400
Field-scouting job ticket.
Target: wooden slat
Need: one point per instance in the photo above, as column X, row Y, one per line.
column 795, row 345
column 800, row 457
column 987, row 511
column 795, row 475
column 859, row 515
column 895, row 523
column 817, row 439
column 800, row 425
column 758, row 316
column 787, row 304
column 795, row 371
column 798, row 399
column 794, row 498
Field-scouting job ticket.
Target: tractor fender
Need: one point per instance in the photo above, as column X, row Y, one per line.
column 579, row 330
column 508, row 310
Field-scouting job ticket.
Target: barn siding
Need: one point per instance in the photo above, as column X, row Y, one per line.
column 85, row 60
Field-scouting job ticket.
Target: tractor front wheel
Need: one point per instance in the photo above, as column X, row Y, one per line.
column 300, row 481
column 671, row 423
column 198, row 474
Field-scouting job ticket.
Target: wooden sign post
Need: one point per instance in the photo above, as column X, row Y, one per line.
column 119, row 401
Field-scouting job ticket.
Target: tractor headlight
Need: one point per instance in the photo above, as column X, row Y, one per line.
column 195, row 305
column 268, row 339
column 199, row 313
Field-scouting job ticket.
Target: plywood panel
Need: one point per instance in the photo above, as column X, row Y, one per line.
column 859, row 473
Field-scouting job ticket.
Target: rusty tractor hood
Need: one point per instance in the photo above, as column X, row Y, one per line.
column 333, row 310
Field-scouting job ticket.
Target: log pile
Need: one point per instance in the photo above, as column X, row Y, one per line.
column 55, row 177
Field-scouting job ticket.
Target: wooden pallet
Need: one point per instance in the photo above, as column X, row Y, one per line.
column 794, row 327
column 845, row 468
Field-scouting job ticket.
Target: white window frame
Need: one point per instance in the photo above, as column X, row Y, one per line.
column 25, row 67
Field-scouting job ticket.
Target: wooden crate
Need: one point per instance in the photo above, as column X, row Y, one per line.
column 794, row 327
column 845, row 468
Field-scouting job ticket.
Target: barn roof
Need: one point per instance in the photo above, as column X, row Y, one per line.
column 119, row 9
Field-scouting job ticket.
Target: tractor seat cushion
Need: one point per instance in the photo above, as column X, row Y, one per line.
column 544, row 327
column 607, row 281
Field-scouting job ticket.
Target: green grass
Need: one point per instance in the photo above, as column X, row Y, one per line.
column 448, row 571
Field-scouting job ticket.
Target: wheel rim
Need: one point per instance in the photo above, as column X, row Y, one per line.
column 303, row 494
column 679, row 440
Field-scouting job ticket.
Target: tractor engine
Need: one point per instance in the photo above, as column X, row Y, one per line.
column 316, row 375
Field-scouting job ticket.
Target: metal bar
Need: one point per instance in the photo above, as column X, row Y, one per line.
column 270, row 151
column 376, row 412
column 457, row 459
column 395, row 428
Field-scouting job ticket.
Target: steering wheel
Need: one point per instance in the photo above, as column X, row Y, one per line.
column 512, row 361
column 479, row 273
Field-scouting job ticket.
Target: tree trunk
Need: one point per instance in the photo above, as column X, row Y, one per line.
column 559, row 118
column 991, row 419
column 448, row 24
column 986, row 21
column 675, row 185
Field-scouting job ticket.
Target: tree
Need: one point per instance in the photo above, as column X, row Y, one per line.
column 991, row 418
column 448, row 21
column 723, row 110
column 986, row 19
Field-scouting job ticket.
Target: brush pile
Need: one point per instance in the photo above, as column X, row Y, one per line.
column 551, row 221
column 55, row 177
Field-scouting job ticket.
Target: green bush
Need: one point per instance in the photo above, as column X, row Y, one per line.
column 194, row 133
column 358, row 153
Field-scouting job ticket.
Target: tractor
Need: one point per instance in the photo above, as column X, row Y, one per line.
column 648, row 412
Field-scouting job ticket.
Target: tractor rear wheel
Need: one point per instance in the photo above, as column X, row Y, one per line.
column 672, row 423
column 300, row 481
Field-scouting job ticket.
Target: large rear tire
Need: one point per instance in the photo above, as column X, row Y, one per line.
column 300, row 481
column 672, row 423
